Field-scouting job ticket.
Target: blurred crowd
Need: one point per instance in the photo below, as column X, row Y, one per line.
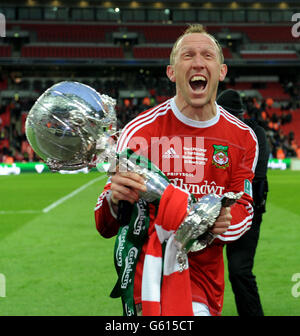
column 14, row 146
column 283, row 145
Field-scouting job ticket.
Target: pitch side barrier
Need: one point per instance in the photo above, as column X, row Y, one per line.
column 18, row 168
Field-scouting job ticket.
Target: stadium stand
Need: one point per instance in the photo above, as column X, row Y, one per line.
column 72, row 51
column 5, row 50
column 149, row 51
column 269, row 54
column 81, row 35
column 269, row 33
column 272, row 90
column 56, row 32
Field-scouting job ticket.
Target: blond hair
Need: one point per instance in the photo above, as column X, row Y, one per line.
column 195, row 28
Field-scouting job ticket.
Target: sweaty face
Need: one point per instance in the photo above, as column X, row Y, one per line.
column 196, row 70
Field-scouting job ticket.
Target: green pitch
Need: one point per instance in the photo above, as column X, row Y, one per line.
column 54, row 262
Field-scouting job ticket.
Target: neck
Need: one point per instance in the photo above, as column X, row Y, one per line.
column 199, row 113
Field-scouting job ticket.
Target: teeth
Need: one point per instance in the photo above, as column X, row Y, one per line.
column 197, row 78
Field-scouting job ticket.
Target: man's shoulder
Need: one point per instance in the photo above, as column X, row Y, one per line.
column 237, row 130
column 258, row 130
column 144, row 124
column 234, row 122
column 150, row 115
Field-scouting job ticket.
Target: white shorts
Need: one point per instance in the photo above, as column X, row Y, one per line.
column 200, row 309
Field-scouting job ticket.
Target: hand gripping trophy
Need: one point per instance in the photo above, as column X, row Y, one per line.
column 71, row 126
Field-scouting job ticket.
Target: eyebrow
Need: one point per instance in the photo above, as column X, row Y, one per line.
column 206, row 49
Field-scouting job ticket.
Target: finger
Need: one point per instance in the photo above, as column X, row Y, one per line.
column 119, row 196
column 225, row 215
column 127, row 192
column 119, row 179
column 222, row 219
column 134, row 176
column 218, row 230
column 222, row 223
column 225, row 211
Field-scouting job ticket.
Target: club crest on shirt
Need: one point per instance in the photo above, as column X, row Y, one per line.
column 220, row 156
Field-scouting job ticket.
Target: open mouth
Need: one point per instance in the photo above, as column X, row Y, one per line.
column 198, row 83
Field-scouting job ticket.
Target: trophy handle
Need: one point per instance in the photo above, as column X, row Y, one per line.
column 155, row 182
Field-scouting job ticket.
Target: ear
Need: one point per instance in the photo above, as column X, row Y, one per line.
column 223, row 72
column 171, row 73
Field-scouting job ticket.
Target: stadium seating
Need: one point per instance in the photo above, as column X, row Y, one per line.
column 48, row 32
column 154, row 33
column 267, row 33
column 269, row 54
column 227, row 53
column 294, row 126
column 272, row 90
column 72, row 52
column 159, row 34
column 162, row 52
column 5, row 51
column 272, row 43
column 72, row 33
column 275, row 91
column 151, row 52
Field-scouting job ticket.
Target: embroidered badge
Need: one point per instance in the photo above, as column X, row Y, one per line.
column 220, row 156
column 248, row 187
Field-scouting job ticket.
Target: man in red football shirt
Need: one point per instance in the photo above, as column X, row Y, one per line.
column 202, row 149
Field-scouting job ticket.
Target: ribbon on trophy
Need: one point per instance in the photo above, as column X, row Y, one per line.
column 128, row 246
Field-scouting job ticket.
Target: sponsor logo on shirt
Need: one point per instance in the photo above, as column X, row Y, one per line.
column 170, row 153
column 199, row 189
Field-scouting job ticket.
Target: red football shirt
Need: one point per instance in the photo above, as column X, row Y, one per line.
column 202, row 157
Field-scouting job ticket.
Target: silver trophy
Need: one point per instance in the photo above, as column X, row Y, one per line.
column 71, row 126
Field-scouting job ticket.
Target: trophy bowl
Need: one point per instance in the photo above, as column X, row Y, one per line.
column 69, row 124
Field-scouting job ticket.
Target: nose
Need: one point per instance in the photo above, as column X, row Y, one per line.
column 198, row 62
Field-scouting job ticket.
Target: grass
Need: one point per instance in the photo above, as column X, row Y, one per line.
column 56, row 263
column 277, row 257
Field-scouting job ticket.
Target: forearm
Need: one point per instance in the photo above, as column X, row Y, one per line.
column 242, row 214
column 106, row 216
